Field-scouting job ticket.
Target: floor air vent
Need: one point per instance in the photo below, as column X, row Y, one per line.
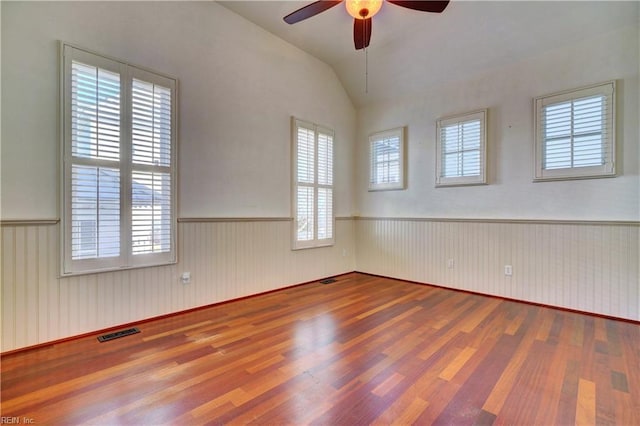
column 118, row 334
column 328, row 281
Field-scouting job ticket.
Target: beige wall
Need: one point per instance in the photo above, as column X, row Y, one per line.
column 238, row 88
column 508, row 93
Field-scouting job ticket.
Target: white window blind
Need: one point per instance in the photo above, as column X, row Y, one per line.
column 386, row 160
column 118, row 165
column 461, row 149
column 575, row 133
column 95, row 146
column 151, row 136
column 312, row 185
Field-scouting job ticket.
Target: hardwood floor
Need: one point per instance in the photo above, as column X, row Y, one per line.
column 364, row 350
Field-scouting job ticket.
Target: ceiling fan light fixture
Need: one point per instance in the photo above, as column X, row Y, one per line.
column 363, row 9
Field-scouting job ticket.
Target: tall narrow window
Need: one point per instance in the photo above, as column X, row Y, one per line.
column 575, row 133
column 461, row 149
column 313, row 210
column 386, row 157
column 118, row 165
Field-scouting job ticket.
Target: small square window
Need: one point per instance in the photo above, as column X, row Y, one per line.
column 461, row 149
column 575, row 133
column 386, row 156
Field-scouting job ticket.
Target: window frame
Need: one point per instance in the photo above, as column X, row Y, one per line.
column 608, row 169
column 459, row 119
column 380, row 137
column 315, row 241
column 124, row 164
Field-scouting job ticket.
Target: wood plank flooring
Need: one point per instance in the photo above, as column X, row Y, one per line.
column 364, row 350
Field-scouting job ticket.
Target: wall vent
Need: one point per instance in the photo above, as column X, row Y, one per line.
column 118, row 334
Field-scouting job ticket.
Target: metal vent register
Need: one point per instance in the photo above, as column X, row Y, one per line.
column 118, row 334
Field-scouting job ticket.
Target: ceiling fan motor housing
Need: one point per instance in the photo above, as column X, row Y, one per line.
column 363, row 9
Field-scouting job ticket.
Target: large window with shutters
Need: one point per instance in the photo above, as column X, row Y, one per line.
column 386, row 160
column 313, row 212
column 575, row 133
column 118, row 171
column 461, row 149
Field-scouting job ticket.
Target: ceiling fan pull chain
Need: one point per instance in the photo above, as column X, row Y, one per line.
column 366, row 60
column 366, row 70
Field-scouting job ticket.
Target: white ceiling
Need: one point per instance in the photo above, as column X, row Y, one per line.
column 411, row 51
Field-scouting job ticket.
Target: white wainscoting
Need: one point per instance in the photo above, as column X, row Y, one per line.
column 227, row 258
column 586, row 266
column 590, row 267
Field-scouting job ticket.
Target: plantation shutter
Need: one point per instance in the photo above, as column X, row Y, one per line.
column 386, row 152
column 325, row 185
column 313, row 185
column 575, row 133
column 305, row 211
column 151, row 131
column 118, row 165
column 461, row 149
column 94, row 106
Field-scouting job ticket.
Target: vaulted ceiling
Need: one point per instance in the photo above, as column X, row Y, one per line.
column 412, row 51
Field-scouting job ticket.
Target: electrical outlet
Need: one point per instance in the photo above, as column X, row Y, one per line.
column 344, row 252
column 185, row 278
column 450, row 263
column 508, row 270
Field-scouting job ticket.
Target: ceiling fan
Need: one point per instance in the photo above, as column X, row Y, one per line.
column 362, row 12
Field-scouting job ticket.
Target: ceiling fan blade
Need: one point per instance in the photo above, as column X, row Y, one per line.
column 310, row 10
column 423, row 6
column 361, row 33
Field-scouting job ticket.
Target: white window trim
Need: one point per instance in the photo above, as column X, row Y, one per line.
column 126, row 260
column 608, row 169
column 377, row 138
column 315, row 242
column 480, row 179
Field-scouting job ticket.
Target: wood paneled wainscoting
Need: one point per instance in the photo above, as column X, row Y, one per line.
column 579, row 265
column 228, row 258
column 363, row 350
